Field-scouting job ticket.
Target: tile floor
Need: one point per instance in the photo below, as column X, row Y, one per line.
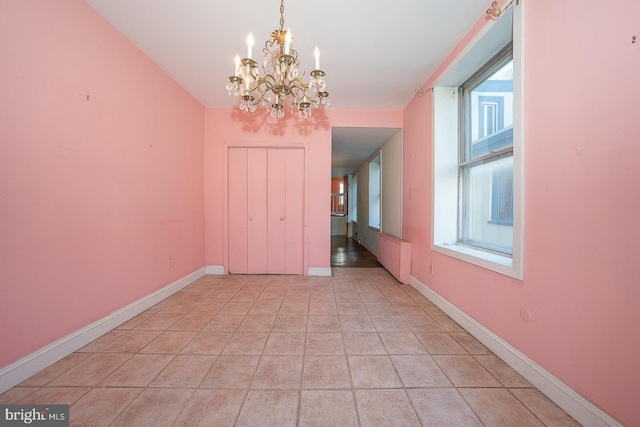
column 355, row 349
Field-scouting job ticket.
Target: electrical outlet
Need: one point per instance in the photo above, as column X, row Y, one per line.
column 169, row 263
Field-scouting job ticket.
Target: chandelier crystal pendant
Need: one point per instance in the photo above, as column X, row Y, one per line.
column 280, row 82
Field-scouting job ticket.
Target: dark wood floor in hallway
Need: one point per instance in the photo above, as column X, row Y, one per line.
column 346, row 252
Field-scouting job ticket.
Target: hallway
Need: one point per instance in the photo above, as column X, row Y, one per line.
column 346, row 252
column 354, row 349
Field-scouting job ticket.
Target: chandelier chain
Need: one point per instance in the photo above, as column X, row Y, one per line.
column 281, row 15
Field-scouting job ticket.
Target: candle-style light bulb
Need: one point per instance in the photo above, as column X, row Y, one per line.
column 316, row 53
column 249, row 45
column 237, row 61
column 287, row 42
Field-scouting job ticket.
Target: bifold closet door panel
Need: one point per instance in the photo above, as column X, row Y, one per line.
column 238, row 177
column 277, row 216
column 257, row 211
column 294, row 213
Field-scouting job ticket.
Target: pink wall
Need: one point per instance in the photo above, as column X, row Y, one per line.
column 101, row 175
column 232, row 127
column 581, row 234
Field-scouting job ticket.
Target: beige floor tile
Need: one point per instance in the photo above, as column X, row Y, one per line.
column 236, row 308
column 60, row 367
column 323, row 309
column 55, row 395
column 423, row 323
column 504, row 373
column 100, row 406
column 246, row 343
column 257, row 323
column 231, row 372
column 169, row 342
column 356, row 324
column 209, row 307
column 285, row 344
column 17, row 394
column 224, row 323
column 327, row 408
column 448, row 324
column 131, row 342
column 408, row 309
column 439, row 343
column 469, row 343
column 420, row 371
column 217, row 408
column 321, row 343
column 191, row 322
column 385, row 408
column 184, row 371
column 101, row 342
column 373, row 372
column 357, row 348
column 92, row 370
column 498, row 407
column 294, row 309
column 138, row 371
column 543, row 408
column 278, row 372
column 389, row 324
column 363, row 343
column 154, row 407
column 265, row 307
column 442, row 408
column 160, row 321
column 207, row 343
column 323, row 324
column 290, row 324
column 269, row 408
column 380, row 309
column 401, row 343
column 352, row 309
column 325, row 372
column 465, row 371
column 348, row 297
column 320, row 297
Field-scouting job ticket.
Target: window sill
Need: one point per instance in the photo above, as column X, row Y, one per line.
column 491, row 261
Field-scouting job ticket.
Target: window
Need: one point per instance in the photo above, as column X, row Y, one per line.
column 353, row 198
column 486, row 156
column 374, row 192
column 478, row 164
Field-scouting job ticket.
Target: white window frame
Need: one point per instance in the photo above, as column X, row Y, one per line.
column 375, row 192
column 483, row 47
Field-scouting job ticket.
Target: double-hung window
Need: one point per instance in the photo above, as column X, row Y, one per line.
column 478, row 149
column 486, row 156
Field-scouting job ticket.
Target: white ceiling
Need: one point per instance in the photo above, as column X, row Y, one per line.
column 376, row 53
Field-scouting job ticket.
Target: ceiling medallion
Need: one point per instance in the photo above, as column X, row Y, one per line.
column 280, row 81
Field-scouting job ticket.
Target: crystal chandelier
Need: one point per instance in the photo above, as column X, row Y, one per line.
column 280, row 78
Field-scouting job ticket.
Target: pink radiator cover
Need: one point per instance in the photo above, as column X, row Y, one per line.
column 395, row 255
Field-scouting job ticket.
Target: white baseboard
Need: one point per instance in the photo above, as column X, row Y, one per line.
column 35, row 362
column 573, row 403
column 319, row 271
column 217, row 270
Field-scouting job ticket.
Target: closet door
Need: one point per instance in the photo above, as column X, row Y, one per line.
column 257, row 211
column 294, row 212
column 238, row 176
column 276, row 190
column 266, row 211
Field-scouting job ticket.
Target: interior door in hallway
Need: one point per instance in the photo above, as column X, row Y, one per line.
column 266, row 210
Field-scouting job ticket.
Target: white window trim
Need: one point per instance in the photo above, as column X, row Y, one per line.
column 444, row 201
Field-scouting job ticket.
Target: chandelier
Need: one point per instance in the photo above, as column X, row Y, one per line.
column 280, row 82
